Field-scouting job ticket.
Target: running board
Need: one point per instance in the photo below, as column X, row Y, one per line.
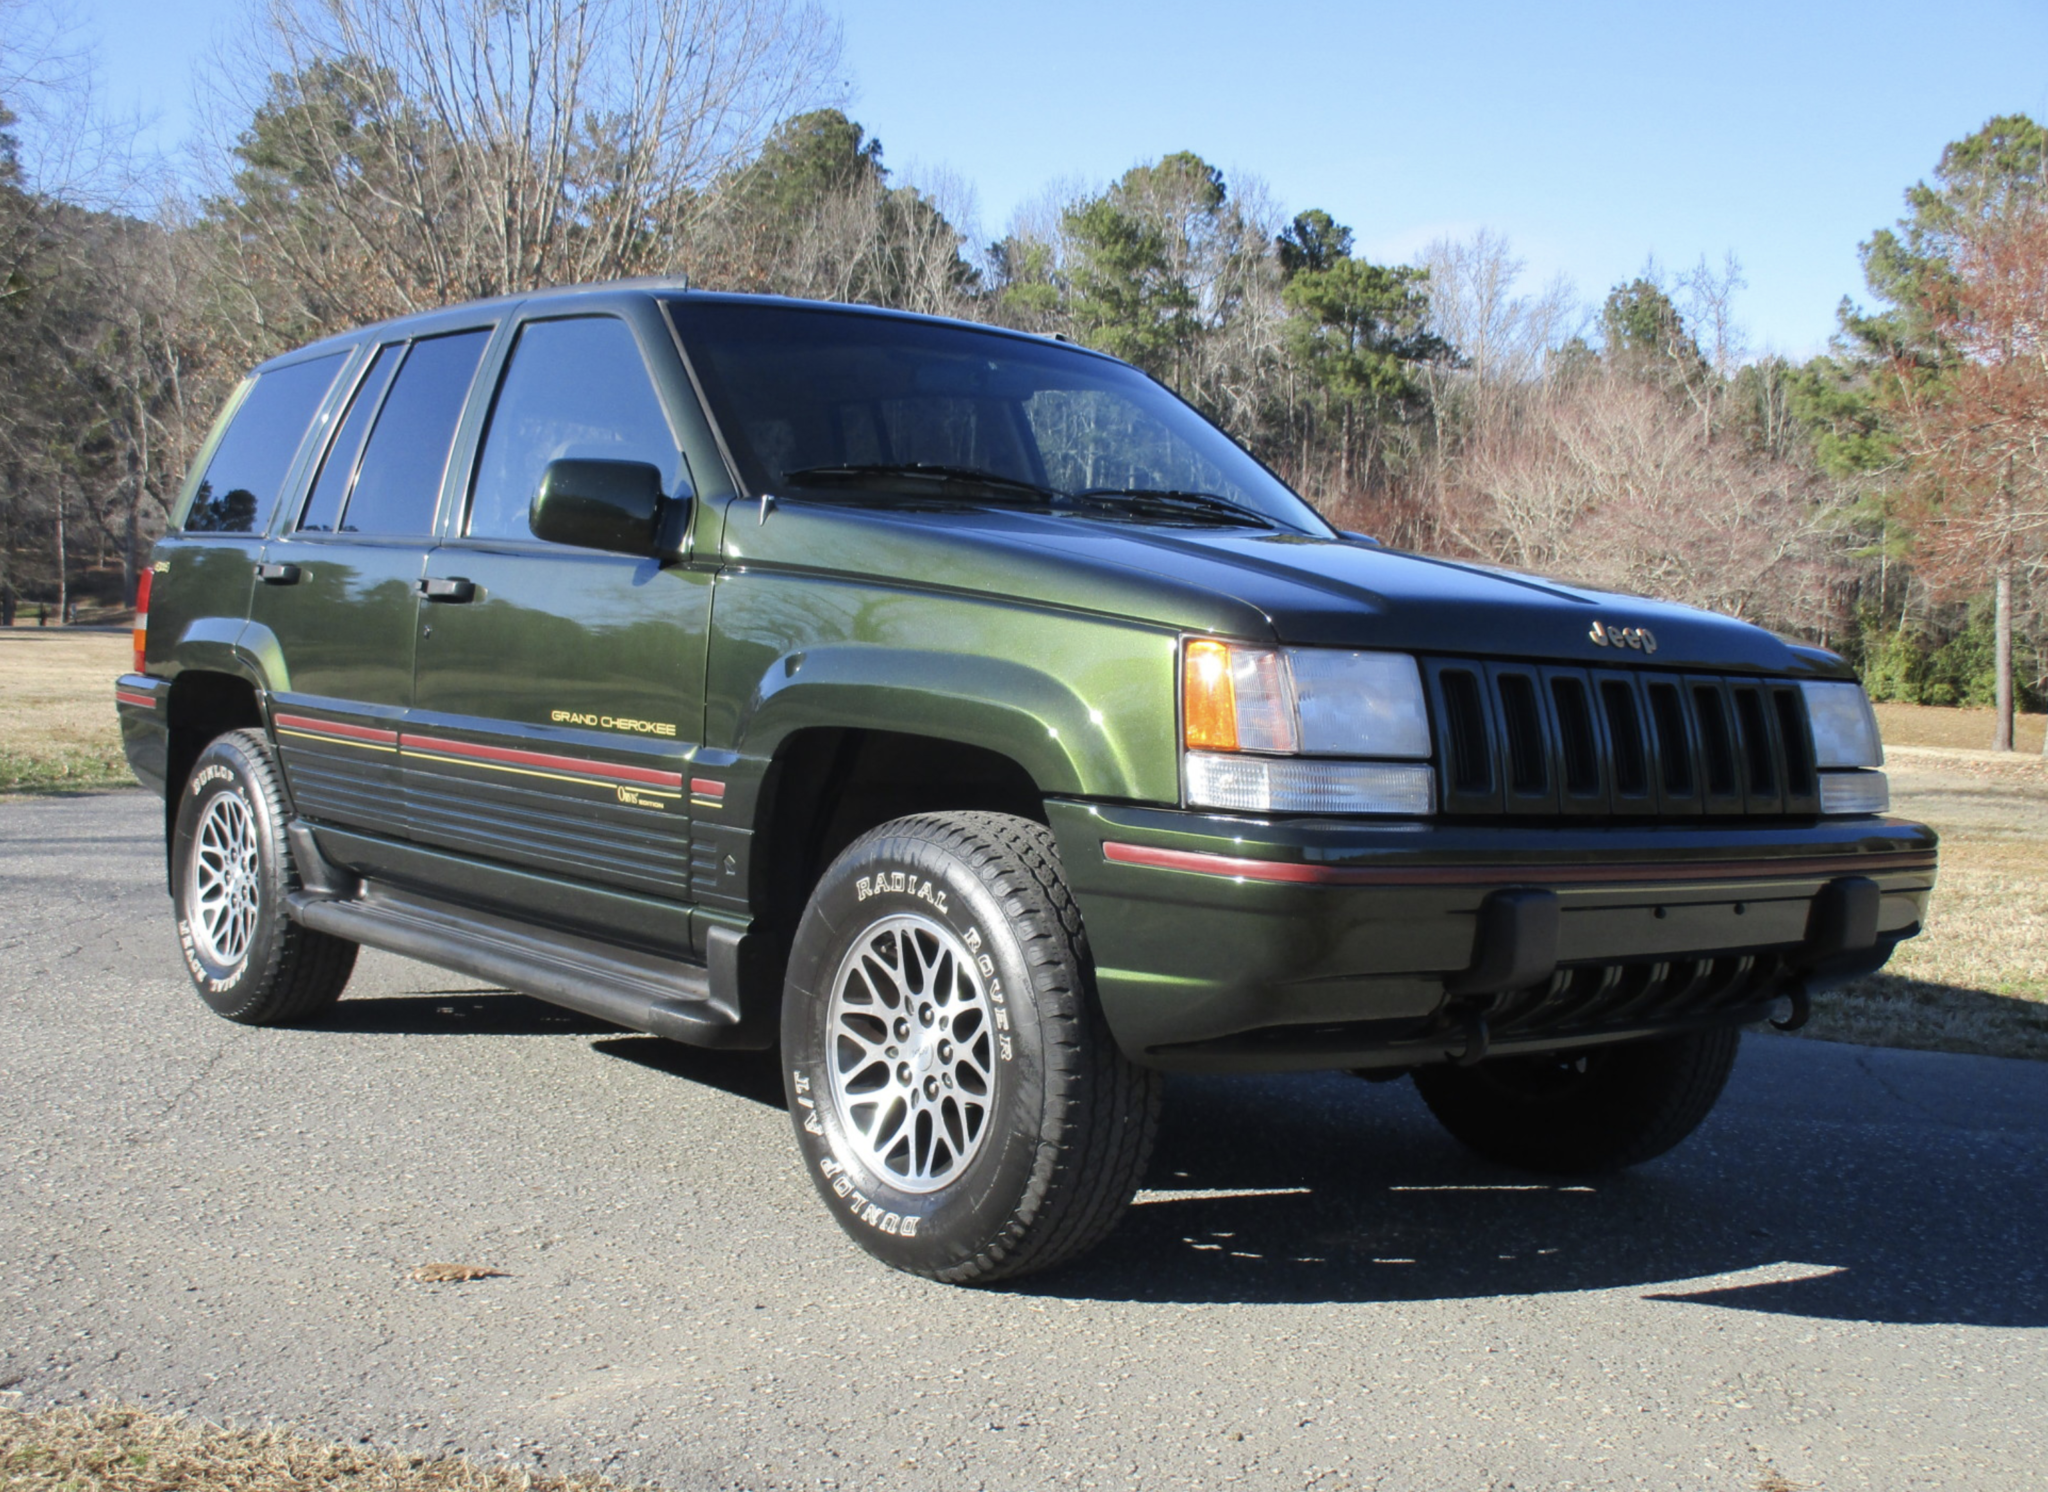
column 664, row 997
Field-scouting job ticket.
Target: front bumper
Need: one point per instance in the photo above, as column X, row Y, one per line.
column 1232, row 943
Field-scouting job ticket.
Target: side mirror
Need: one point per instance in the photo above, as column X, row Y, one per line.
column 615, row 505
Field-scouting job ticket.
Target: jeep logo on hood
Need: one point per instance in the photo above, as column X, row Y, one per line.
column 1642, row 639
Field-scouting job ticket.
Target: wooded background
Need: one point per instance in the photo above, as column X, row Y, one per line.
column 1888, row 499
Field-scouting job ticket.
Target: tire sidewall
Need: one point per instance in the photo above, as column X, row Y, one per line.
column 892, row 874
column 225, row 768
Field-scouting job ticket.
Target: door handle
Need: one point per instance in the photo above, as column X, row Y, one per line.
column 454, row 589
column 278, row 574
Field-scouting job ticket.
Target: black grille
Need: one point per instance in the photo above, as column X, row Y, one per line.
column 1607, row 742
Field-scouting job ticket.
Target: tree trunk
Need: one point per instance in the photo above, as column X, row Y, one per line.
column 131, row 557
column 2002, row 646
column 63, row 562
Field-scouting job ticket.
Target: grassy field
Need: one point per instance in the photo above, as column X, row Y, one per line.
column 57, row 730
column 1965, row 730
column 1976, row 981
column 126, row 1450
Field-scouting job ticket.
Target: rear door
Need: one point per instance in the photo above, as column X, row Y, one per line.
column 337, row 596
column 559, row 691
column 202, row 591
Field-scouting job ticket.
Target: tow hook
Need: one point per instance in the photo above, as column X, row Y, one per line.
column 1802, row 1008
column 1477, row 1036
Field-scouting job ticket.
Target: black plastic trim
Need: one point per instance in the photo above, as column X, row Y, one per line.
column 664, row 997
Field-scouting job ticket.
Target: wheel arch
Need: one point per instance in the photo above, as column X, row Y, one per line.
column 202, row 705
column 827, row 785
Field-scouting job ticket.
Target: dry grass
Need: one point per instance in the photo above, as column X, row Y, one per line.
column 127, row 1450
column 1969, row 730
column 1977, row 979
column 57, row 726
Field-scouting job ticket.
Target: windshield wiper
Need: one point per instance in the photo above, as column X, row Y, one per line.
column 993, row 484
column 1206, row 504
column 883, row 473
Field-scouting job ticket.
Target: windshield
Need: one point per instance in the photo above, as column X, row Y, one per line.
column 809, row 396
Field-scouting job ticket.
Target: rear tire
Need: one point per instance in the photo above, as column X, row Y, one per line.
column 231, row 873
column 958, row 1099
column 1587, row 1111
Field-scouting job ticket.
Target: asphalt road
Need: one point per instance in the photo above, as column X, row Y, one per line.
column 1838, row 1283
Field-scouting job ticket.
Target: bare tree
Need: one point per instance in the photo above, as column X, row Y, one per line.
column 408, row 153
column 1502, row 336
column 1706, row 301
column 1610, row 482
column 877, row 244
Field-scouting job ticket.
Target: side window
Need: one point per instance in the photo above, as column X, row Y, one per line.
column 574, row 387
column 330, row 488
column 241, row 482
column 399, row 477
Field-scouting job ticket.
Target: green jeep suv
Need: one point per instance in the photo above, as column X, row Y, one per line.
column 962, row 713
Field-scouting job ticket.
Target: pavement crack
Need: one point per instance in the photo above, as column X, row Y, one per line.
column 2001, row 1138
column 229, row 1042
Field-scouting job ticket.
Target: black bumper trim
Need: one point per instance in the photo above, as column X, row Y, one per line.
column 1624, row 872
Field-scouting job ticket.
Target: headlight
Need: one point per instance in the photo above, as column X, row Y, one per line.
column 1844, row 725
column 1304, row 702
column 1358, row 704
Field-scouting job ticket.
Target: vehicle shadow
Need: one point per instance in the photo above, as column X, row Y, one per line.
column 1896, row 1010
column 1326, row 1189
column 486, row 1012
column 1833, row 1182
column 459, row 1012
column 751, row 1075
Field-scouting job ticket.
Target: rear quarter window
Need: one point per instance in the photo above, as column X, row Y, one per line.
column 330, row 487
column 254, row 455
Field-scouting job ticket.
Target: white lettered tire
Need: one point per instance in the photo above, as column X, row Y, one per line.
column 231, row 872
column 958, row 1099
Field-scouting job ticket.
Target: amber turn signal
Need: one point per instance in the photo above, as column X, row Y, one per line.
column 1208, row 700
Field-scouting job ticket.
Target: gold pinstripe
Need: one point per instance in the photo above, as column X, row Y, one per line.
column 313, row 735
column 470, row 761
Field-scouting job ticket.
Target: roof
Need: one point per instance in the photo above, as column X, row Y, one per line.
column 466, row 313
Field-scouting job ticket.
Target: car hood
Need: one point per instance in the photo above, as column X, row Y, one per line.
column 1255, row 584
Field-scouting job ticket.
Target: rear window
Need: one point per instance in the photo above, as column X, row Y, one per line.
column 241, row 482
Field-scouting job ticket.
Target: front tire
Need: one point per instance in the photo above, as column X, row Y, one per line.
column 959, row 1101
column 231, row 874
column 1583, row 1112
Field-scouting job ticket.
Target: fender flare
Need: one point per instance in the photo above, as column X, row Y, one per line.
column 1067, row 746
column 233, row 646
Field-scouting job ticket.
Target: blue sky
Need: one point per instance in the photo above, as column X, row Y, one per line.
column 1593, row 135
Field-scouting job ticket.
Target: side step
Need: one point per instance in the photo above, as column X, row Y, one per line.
column 663, row 997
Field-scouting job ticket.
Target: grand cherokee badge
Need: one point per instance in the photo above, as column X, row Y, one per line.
column 1642, row 639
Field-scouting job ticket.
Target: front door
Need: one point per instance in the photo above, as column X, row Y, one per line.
column 559, row 692
column 337, row 594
